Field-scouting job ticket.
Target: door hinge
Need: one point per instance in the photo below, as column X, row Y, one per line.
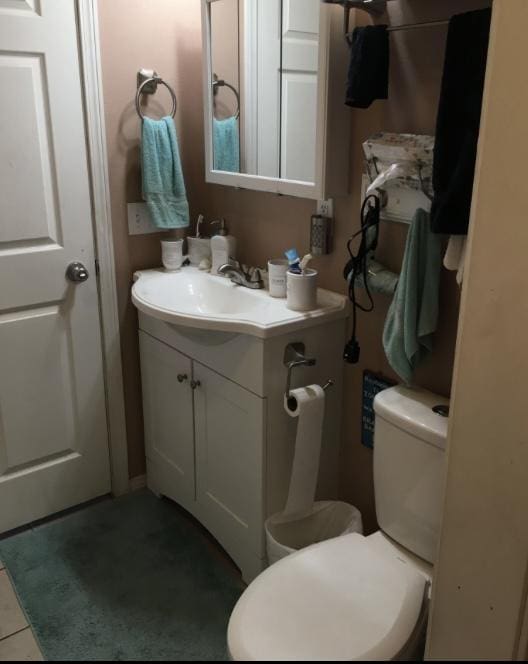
column 97, row 268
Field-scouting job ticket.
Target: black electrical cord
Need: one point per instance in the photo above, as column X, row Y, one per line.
column 357, row 267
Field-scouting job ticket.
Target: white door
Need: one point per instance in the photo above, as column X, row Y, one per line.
column 300, row 63
column 267, row 110
column 53, row 434
column 281, row 62
column 169, row 419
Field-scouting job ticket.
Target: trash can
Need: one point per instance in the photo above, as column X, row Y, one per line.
column 328, row 519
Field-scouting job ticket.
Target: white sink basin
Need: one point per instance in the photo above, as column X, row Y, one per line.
column 191, row 298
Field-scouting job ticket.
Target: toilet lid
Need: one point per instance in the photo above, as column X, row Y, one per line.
column 337, row 600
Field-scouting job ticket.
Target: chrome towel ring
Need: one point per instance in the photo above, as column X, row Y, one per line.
column 219, row 83
column 158, row 80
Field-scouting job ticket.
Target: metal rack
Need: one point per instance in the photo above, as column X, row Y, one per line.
column 377, row 8
column 294, row 356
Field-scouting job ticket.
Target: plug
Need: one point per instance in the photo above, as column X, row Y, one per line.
column 352, row 352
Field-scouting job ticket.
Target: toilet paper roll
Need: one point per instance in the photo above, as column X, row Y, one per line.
column 308, row 405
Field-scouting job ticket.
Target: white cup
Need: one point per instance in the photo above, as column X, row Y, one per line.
column 277, row 270
column 172, row 254
column 302, row 291
column 199, row 249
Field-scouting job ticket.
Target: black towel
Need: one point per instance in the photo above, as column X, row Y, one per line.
column 458, row 123
column 368, row 72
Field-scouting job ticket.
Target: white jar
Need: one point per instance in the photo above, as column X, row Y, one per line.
column 302, row 290
column 277, row 270
column 172, row 254
column 199, row 250
column 223, row 250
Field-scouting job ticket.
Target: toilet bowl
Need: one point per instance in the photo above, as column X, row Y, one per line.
column 355, row 597
column 350, row 598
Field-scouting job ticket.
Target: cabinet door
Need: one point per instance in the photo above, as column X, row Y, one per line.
column 168, row 414
column 230, row 423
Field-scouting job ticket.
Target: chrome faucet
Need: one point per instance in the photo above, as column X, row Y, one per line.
column 241, row 278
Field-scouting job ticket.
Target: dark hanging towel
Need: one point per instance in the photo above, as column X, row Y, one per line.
column 458, row 124
column 368, row 72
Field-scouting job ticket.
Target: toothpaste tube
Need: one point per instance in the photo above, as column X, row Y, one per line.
column 294, row 261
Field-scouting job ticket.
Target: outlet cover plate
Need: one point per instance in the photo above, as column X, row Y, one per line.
column 139, row 222
column 326, row 208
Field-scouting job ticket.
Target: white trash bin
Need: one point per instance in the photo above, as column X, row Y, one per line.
column 329, row 519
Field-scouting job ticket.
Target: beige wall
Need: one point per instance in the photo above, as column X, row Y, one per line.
column 481, row 578
column 225, row 53
column 165, row 34
column 160, row 34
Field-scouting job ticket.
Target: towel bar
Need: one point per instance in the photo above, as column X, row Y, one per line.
column 158, row 81
column 377, row 8
column 220, row 83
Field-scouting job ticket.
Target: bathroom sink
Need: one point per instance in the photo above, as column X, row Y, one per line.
column 191, row 298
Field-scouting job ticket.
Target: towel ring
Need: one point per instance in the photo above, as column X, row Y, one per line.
column 158, row 81
column 219, row 83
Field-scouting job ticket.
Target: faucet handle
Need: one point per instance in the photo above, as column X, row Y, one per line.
column 256, row 277
column 236, row 263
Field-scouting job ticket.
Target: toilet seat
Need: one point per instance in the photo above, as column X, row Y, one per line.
column 342, row 599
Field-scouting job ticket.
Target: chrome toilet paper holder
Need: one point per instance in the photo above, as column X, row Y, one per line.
column 295, row 356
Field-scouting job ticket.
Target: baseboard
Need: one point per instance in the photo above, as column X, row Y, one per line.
column 137, row 483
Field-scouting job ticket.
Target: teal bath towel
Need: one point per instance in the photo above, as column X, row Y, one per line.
column 413, row 315
column 226, row 145
column 163, row 184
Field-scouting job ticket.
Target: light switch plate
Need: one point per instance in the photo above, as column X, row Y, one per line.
column 139, row 222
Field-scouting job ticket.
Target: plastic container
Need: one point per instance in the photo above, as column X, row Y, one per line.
column 302, row 290
column 223, row 247
column 199, row 250
column 277, row 270
column 328, row 519
column 172, row 254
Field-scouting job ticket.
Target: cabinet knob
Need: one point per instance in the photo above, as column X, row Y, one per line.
column 182, row 378
column 195, row 384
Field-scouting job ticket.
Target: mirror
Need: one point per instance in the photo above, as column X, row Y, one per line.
column 263, row 79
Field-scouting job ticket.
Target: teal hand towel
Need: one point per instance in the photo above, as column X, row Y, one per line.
column 163, row 183
column 226, row 145
column 413, row 315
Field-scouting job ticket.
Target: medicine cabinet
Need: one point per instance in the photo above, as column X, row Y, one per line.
column 274, row 87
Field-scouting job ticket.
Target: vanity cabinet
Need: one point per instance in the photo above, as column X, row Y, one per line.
column 218, row 441
column 168, row 414
column 229, row 430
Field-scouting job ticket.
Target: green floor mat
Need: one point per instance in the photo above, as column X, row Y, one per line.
column 126, row 579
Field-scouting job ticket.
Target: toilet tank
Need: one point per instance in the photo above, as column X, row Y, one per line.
column 409, row 467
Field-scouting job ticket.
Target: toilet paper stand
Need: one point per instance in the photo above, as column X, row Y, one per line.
column 295, row 356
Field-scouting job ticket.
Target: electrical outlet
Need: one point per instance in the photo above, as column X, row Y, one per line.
column 326, row 208
column 139, row 222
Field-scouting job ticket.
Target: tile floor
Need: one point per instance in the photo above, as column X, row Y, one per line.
column 17, row 642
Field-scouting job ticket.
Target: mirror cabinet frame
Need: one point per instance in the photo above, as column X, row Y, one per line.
column 333, row 117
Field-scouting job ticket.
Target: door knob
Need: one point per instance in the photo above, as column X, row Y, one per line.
column 182, row 378
column 195, row 384
column 77, row 272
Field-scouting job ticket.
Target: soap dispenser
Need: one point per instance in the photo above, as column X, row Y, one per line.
column 223, row 247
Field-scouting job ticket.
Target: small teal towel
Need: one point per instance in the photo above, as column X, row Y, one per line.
column 413, row 315
column 226, row 145
column 163, row 184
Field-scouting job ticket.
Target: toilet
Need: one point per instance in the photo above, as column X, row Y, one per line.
column 356, row 597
